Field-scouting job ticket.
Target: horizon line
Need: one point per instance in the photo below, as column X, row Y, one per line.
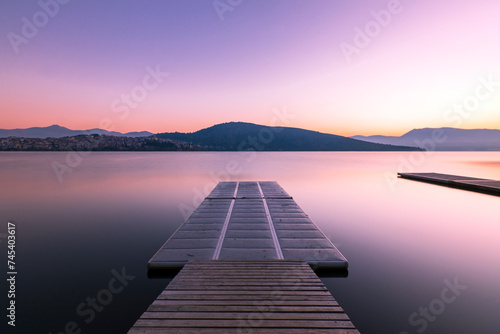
column 154, row 133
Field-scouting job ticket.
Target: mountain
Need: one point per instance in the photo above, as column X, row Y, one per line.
column 239, row 136
column 56, row 131
column 443, row 139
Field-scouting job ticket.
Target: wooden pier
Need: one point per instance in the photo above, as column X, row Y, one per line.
column 248, row 221
column 491, row 187
column 246, row 257
column 249, row 296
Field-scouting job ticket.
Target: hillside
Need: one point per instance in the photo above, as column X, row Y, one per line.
column 56, row 131
column 443, row 139
column 236, row 136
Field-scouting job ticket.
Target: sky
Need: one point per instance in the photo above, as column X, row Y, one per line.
column 343, row 67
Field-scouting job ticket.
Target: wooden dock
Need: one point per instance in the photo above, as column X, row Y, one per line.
column 246, row 257
column 245, row 296
column 248, row 221
column 491, row 187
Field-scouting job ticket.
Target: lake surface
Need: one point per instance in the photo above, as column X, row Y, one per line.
column 422, row 258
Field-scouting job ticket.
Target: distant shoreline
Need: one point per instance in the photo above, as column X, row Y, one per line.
column 237, row 141
column 230, row 136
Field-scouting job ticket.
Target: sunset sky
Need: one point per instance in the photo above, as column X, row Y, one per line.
column 329, row 63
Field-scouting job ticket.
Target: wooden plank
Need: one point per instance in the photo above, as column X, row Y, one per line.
column 251, row 263
column 171, row 307
column 248, row 275
column 247, row 302
column 249, row 287
column 274, row 273
column 222, row 323
column 254, row 291
column 252, row 330
column 236, row 315
column 237, row 284
column 281, row 297
column 252, row 273
column 252, row 281
column 268, row 269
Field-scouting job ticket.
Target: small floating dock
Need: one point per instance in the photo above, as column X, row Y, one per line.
column 245, row 296
column 244, row 262
column 248, row 221
column 486, row 186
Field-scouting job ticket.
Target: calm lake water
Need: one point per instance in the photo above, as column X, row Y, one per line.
column 422, row 258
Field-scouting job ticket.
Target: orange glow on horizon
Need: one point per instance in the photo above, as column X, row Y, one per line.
column 179, row 126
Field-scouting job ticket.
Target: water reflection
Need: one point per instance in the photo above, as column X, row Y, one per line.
column 402, row 238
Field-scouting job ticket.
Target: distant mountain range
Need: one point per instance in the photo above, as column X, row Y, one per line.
column 235, row 136
column 443, row 139
column 240, row 136
column 56, row 131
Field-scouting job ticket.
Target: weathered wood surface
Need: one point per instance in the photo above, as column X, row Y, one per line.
column 491, row 187
column 245, row 296
column 248, row 221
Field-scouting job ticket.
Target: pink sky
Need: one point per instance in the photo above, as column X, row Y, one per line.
column 429, row 57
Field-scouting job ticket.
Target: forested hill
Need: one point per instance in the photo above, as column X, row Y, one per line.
column 237, row 136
